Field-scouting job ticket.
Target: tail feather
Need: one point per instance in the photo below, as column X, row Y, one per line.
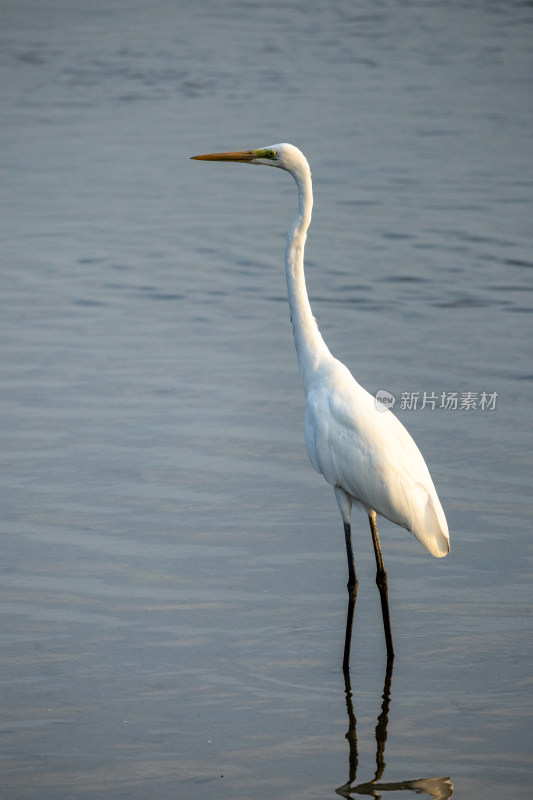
column 434, row 534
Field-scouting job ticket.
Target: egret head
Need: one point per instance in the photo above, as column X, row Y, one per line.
column 283, row 156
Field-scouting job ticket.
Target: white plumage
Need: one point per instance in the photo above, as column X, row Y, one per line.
column 369, row 454
column 366, row 454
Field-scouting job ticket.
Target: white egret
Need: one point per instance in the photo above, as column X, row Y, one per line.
column 364, row 452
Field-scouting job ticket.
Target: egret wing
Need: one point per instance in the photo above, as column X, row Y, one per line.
column 369, row 454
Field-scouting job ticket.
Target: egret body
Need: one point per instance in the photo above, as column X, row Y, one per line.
column 365, row 453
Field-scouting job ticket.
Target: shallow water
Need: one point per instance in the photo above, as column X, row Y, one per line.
column 173, row 571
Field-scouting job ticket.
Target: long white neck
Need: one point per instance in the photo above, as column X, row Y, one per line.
column 310, row 346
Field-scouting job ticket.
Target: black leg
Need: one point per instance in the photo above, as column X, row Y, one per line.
column 381, row 581
column 348, row 637
column 352, row 594
column 352, row 577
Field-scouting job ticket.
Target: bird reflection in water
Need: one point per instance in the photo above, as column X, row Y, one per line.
column 436, row 788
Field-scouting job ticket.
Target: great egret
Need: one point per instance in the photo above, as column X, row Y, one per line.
column 364, row 452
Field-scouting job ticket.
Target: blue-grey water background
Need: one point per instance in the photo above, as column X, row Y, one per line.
column 172, row 571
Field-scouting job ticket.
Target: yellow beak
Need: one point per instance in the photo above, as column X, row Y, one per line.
column 239, row 155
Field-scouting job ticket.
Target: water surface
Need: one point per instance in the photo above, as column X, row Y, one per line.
column 172, row 569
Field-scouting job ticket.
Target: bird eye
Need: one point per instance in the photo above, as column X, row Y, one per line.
column 265, row 154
